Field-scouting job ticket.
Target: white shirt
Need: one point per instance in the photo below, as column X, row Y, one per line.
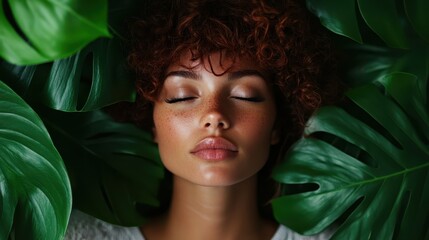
column 86, row 227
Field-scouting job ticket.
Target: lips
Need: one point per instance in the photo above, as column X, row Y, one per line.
column 215, row 148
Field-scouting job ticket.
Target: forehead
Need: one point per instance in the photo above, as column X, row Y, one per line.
column 217, row 63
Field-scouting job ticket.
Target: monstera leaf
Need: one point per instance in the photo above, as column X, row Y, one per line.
column 35, row 195
column 94, row 77
column 375, row 173
column 37, row 31
column 114, row 167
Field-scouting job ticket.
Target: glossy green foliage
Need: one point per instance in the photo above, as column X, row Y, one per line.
column 35, row 194
column 372, row 63
column 94, row 77
column 394, row 34
column 338, row 16
column 371, row 166
column 364, row 169
column 114, row 167
column 38, row 31
column 91, row 79
column 391, row 20
column 417, row 14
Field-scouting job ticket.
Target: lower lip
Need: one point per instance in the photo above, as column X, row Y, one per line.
column 215, row 154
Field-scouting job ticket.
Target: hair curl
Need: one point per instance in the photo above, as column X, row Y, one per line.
column 280, row 35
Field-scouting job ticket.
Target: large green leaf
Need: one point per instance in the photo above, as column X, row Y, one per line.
column 338, row 16
column 381, row 184
column 411, row 96
column 114, row 167
column 416, row 11
column 382, row 16
column 386, row 18
column 40, row 31
column 35, row 194
column 70, row 88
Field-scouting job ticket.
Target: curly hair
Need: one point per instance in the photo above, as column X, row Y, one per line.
column 280, row 35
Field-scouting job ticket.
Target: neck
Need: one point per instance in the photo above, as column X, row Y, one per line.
column 201, row 212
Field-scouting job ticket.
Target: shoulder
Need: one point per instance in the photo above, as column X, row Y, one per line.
column 285, row 233
column 83, row 226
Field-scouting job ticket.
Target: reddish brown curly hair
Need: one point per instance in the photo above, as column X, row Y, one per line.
column 280, row 35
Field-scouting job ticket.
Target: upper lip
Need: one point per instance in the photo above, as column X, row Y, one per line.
column 211, row 143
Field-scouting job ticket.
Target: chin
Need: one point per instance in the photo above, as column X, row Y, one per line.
column 221, row 178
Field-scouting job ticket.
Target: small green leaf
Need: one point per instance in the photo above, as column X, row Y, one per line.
column 51, row 29
column 114, row 167
column 35, row 194
column 339, row 16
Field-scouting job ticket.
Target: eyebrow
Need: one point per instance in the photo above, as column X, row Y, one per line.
column 184, row 74
column 244, row 73
column 231, row 75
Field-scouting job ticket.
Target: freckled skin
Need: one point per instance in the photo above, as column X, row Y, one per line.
column 181, row 125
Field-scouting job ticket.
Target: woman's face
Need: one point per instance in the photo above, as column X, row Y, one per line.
column 214, row 130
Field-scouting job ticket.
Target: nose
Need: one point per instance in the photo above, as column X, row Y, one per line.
column 215, row 117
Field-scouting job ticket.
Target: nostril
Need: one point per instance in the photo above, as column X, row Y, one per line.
column 220, row 123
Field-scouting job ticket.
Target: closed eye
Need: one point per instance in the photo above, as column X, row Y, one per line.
column 181, row 99
column 250, row 99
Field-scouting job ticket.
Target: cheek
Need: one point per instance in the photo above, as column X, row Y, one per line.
column 255, row 134
column 169, row 124
column 172, row 131
column 257, row 127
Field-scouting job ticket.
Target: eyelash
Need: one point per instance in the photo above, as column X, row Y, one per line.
column 248, row 99
column 175, row 100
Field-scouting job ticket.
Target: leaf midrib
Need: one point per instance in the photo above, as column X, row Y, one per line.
column 382, row 178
